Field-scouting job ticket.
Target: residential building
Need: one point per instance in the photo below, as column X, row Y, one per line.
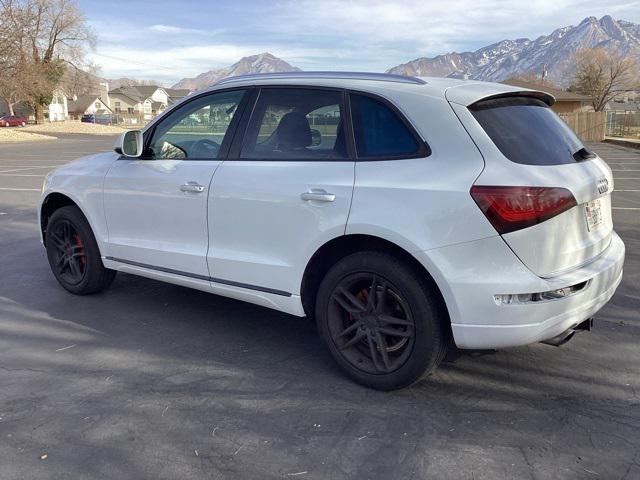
column 566, row 102
column 87, row 105
column 57, row 110
column 144, row 101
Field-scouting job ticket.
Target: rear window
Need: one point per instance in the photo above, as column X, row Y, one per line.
column 527, row 131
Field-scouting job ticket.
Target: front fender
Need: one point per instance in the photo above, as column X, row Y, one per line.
column 82, row 181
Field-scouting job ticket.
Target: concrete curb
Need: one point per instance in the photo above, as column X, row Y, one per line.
column 623, row 142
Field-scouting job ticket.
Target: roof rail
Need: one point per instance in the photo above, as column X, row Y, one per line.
column 385, row 77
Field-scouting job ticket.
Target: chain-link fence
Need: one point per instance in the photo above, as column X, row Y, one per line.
column 622, row 123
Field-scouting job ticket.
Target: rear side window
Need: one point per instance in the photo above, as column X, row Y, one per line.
column 296, row 124
column 527, row 131
column 379, row 132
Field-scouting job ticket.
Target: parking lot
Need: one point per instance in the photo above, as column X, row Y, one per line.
column 153, row 381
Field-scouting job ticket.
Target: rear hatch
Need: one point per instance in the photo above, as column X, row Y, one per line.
column 546, row 193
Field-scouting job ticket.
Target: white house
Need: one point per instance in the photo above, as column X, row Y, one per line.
column 57, row 110
column 87, row 105
column 144, row 101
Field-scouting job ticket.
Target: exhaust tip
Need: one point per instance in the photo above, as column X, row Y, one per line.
column 568, row 334
column 561, row 339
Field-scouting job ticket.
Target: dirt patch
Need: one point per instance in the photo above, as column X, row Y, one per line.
column 16, row 134
column 75, row 127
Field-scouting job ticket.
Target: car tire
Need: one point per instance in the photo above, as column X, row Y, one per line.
column 389, row 341
column 73, row 253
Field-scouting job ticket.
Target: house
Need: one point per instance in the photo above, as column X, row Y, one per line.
column 627, row 106
column 176, row 94
column 144, row 101
column 87, row 105
column 566, row 102
column 57, row 110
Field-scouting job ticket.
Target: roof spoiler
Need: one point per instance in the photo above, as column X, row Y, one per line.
column 542, row 96
column 468, row 94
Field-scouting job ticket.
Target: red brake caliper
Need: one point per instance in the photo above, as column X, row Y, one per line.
column 79, row 243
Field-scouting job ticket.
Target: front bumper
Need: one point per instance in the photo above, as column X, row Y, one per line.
column 474, row 272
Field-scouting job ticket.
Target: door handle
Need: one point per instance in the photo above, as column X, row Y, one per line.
column 192, row 187
column 318, row 196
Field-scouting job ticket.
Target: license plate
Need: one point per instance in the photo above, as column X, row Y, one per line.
column 593, row 214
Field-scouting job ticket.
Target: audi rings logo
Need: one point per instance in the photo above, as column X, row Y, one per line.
column 603, row 185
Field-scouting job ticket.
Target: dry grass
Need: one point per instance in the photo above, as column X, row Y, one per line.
column 75, row 127
column 16, row 134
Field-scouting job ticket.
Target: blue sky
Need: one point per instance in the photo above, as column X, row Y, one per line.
column 168, row 40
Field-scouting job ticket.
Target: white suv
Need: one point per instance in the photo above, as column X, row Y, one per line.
column 402, row 213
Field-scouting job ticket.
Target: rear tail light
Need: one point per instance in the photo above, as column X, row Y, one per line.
column 513, row 208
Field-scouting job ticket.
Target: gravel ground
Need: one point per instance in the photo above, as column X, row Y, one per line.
column 75, row 127
column 16, row 134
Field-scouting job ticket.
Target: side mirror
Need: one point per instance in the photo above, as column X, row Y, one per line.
column 316, row 137
column 130, row 144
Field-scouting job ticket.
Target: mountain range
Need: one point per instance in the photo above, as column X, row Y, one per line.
column 262, row 63
column 495, row 62
column 516, row 58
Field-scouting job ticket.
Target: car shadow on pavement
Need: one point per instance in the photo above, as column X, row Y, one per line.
column 150, row 377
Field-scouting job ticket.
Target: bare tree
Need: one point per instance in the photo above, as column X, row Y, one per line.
column 535, row 78
column 10, row 95
column 77, row 82
column 44, row 37
column 602, row 74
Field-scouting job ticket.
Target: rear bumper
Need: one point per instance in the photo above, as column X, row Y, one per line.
column 479, row 322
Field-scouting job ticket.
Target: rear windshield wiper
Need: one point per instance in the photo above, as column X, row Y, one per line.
column 583, row 154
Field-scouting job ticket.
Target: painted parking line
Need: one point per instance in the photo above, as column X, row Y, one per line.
column 19, row 163
column 21, row 175
column 28, row 168
column 625, row 208
column 20, row 189
column 616, row 190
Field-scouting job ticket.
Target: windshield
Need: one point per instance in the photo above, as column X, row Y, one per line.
column 527, row 131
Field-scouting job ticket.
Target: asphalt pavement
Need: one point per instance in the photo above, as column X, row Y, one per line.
column 154, row 381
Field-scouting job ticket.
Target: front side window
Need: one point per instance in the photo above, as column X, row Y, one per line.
column 379, row 132
column 293, row 123
column 196, row 130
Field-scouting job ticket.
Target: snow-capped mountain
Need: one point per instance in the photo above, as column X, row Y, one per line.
column 512, row 58
column 262, row 63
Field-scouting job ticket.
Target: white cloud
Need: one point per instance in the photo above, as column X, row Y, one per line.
column 436, row 27
column 170, row 64
column 172, row 29
column 166, row 28
column 335, row 34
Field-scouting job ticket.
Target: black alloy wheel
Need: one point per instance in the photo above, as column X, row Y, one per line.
column 73, row 253
column 382, row 320
column 68, row 253
column 370, row 323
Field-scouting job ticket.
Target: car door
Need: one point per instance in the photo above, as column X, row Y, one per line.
column 284, row 190
column 156, row 206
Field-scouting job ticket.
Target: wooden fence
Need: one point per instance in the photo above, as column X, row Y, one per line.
column 589, row 126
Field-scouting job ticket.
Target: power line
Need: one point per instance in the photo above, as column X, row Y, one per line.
column 134, row 61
